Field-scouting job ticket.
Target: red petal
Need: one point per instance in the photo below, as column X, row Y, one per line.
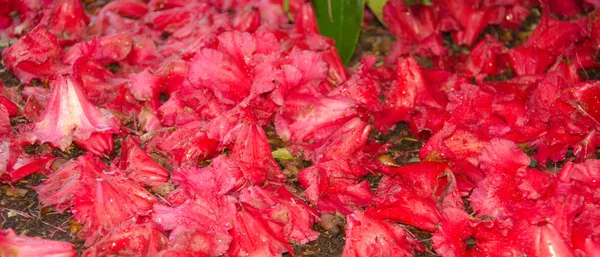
column 334, row 186
column 94, row 204
column 400, row 203
column 548, row 242
column 60, row 186
column 309, row 119
column 130, row 239
column 145, row 86
column 400, row 97
column 347, row 141
column 139, row 166
column 252, row 154
column 22, row 246
column 452, row 234
column 367, row 236
column 283, row 207
column 68, row 20
column 34, row 55
column 585, row 232
column 187, row 145
column 69, row 115
column 11, row 107
column 218, row 178
column 255, row 236
column 199, row 225
column 24, row 168
column 99, row 144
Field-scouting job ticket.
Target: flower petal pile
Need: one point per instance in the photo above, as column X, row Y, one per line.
column 169, row 115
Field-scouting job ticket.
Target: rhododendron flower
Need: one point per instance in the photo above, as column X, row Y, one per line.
column 99, row 144
column 197, row 95
column 106, row 200
column 67, row 20
column 240, row 66
column 13, row 245
column 114, row 47
column 130, row 239
column 61, row 185
column 485, row 58
column 114, row 18
column 416, row 195
column 335, row 186
column 501, row 160
column 34, row 56
column 4, row 121
column 139, row 166
column 199, row 225
column 309, row 119
column 69, row 115
column 11, row 108
column 283, row 207
column 400, row 97
column 15, row 163
column 409, row 24
column 585, row 232
column 98, row 83
column 252, row 154
column 218, row 178
column 253, row 235
column 345, row 142
column 548, row 242
column 460, row 235
column 28, row 165
column 187, row 145
column 368, row 236
column 175, row 111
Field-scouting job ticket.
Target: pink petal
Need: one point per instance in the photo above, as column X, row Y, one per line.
column 283, row 207
column 139, row 166
column 68, row 20
column 69, row 115
column 253, row 235
column 94, row 203
column 367, row 236
column 139, row 239
column 22, row 246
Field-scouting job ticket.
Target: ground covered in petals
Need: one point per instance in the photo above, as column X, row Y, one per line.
column 232, row 128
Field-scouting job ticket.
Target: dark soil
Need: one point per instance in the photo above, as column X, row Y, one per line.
column 21, row 211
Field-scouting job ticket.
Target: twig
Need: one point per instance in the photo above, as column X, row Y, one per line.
column 20, row 213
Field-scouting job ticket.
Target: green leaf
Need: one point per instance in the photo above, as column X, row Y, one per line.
column 376, row 7
column 286, row 9
column 282, row 154
column 342, row 21
column 421, row 2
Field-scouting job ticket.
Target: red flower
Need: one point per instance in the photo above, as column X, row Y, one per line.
column 34, row 56
column 69, row 115
column 12, row 245
column 139, row 166
column 130, row 239
column 335, row 186
column 281, row 206
column 68, row 21
column 105, row 199
column 199, row 225
column 253, row 235
column 367, row 236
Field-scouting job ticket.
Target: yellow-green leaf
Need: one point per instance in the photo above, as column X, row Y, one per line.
column 282, row 154
column 376, row 6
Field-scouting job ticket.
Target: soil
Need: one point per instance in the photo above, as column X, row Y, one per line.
column 21, row 211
